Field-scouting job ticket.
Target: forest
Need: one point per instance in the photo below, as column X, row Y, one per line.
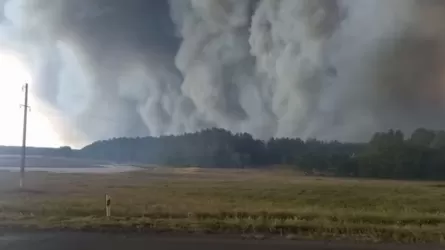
column 390, row 154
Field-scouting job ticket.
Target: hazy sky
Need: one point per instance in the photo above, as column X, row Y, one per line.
column 13, row 75
column 330, row 69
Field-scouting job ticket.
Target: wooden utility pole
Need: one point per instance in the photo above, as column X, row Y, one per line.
column 25, row 121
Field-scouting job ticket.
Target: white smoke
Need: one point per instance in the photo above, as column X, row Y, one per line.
column 289, row 39
column 332, row 69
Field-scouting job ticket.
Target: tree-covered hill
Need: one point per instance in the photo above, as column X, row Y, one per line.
column 387, row 155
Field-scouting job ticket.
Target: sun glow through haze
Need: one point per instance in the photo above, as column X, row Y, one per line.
column 13, row 75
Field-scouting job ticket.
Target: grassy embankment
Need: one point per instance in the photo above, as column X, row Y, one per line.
column 217, row 201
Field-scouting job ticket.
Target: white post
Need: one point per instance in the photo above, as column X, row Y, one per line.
column 108, row 205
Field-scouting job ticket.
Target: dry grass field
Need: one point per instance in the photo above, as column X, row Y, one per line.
column 228, row 201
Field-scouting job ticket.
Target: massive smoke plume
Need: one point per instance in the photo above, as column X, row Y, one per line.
column 332, row 69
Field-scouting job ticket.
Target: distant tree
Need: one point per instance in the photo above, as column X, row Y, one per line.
column 422, row 137
column 439, row 140
column 65, row 151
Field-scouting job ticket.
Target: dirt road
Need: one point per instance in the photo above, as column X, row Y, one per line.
column 96, row 241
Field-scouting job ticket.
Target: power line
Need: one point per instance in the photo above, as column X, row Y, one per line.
column 55, row 114
column 83, row 115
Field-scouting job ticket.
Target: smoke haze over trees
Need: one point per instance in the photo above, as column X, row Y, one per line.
column 387, row 155
column 330, row 69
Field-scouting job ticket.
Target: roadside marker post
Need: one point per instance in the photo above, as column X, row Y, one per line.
column 108, row 205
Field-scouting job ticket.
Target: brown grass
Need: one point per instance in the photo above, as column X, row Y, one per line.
column 228, row 201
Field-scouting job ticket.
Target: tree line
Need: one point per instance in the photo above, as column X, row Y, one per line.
column 387, row 155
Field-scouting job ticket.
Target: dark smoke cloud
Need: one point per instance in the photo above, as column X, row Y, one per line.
column 335, row 69
column 106, row 39
column 409, row 79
